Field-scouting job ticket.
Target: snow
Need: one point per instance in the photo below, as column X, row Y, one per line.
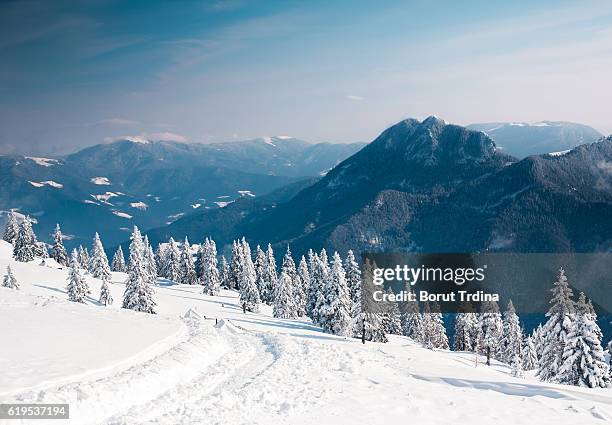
column 246, row 193
column 222, row 204
column 49, row 183
column 101, row 181
column 139, row 205
column 268, row 141
column 560, row 153
column 104, row 197
column 122, row 214
column 44, row 162
column 120, row 367
column 196, row 205
column 137, row 139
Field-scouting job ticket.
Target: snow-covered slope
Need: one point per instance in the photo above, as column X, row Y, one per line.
column 220, row 366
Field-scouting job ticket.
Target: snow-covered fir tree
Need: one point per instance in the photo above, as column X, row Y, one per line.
column 173, row 262
column 299, row 297
column 466, row 332
column 84, row 258
column 554, row 333
column 411, row 319
column 319, row 278
column 269, row 278
column 105, row 295
column 138, row 293
column 512, row 335
column 391, row 318
column 366, row 325
column 435, row 331
column 236, row 265
column 304, row 282
column 335, row 307
column 98, row 263
column 530, row 355
column 538, row 341
column 11, row 229
column 609, row 350
column 491, row 330
column 118, row 264
column 284, row 305
column 77, row 287
column 42, row 249
column 517, row 365
column 150, row 262
column 353, row 275
column 161, row 260
column 224, row 273
column 190, row 276
column 249, row 295
column 24, row 246
column 260, row 264
column 9, row 280
column 210, row 279
column 583, row 356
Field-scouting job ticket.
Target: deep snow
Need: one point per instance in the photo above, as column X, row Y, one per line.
column 120, row 367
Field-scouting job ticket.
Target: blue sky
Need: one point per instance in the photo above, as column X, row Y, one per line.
column 74, row 74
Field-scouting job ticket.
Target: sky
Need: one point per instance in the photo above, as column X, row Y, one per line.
column 74, row 74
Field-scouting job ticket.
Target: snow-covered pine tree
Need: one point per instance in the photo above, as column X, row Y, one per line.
column 270, row 277
column 297, row 291
column 236, row 265
column 224, row 273
column 98, row 263
column 609, row 350
column 438, row 338
column 11, row 230
column 512, row 335
column 284, row 305
column 249, row 295
column 412, row 321
column 105, row 295
column 42, row 248
column 554, row 333
column 491, row 326
column 84, row 258
column 150, row 262
column 190, row 276
column 210, row 278
column 366, row 325
column 304, row 278
column 77, row 287
column 466, row 332
column 173, row 262
column 9, row 280
column 353, row 275
column 161, row 260
column 335, row 306
column 23, row 248
column 138, row 293
column 118, row 264
column 538, row 340
column 517, row 365
column 391, row 318
column 260, row 264
column 320, row 280
column 583, row 357
column 530, row 355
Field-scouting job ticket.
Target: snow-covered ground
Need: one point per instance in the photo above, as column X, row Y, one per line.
column 220, row 366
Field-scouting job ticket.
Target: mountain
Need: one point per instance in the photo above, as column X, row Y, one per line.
column 523, row 139
column 435, row 187
column 110, row 187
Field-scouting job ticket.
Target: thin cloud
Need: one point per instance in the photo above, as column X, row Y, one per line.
column 118, row 122
column 354, row 97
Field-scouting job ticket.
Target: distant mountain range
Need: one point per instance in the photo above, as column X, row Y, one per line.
column 433, row 187
column 110, row 187
column 522, row 139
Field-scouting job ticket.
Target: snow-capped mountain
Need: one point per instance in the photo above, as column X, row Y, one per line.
column 435, row 187
column 523, row 139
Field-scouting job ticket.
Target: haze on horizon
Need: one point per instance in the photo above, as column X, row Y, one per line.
column 75, row 74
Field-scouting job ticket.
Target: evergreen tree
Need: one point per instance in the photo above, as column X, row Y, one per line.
column 83, row 258
column 105, row 295
column 299, row 297
column 304, row 282
column 11, row 229
column 335, row 306
column 466, row 332
column 517, row 365
column 437, row 331
column 173, row 262
column 353, row 275
column 236, row 265
column 77, row 287
column 150, row 262
column 320, row 282
column 249, row 295
column 530, row 355
column 583, row 358
column 9, row 280
column 365, row 324
column 284, row 304
column 161, row 260
column 42, row 248
column 138, row 293
column 411, row 319
column 391, row 319
column 118, row 264
column 224, row 273
column 98, row 264
column 313, row 291
column 260, row 264
column 554, row 333
column 187, row 265
column 23, row 248
column 512, row 335
column 491, row 328
column 269, row 278
column 210, row 274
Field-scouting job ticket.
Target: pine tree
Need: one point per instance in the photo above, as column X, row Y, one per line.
column 173, row 262
column 353, row 275
column 187, row 265
column 161, row 259
column 466, row 332
column 11, row 229
column 530, row 355
column 491, row 327
column 517, row 365
column 296, row 287
column 150, row 262
column 366, row 325
column 83, row 258
column 313, row 291
column 538, row 340
column 437, row 331
column 23, row 248
column 391, row 318
column 260, row 264
column 512, row 335
column 42, row 248
column 224, row 273
column 412, row 320
column 304, row 281
column 9, row 280
column 98, row 264
column 138, row 293
column 236, row 265
column 249, row 295
column 268, row 281
column 210, row 273
column 583, row 357
column 284, row 304
column 105, row 295
column 320, row 282
column 335, row 306
column 77, row 287
column 554, row 333
column 118, row 264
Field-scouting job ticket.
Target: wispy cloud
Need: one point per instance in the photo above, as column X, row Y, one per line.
column 354, row 97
